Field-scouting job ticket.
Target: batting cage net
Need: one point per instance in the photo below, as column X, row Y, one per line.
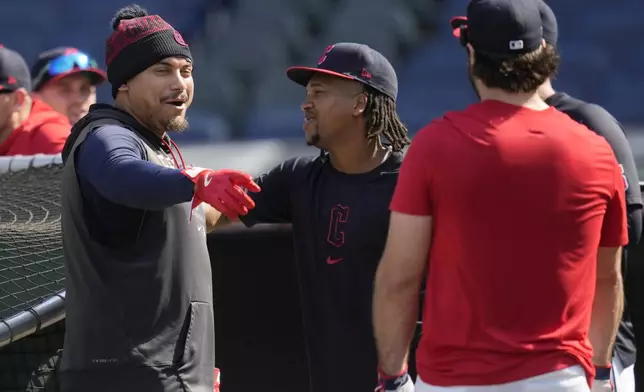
column 31, row 273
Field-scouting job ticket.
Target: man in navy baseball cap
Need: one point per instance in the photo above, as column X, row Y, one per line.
column 14, row 74
column 350, row 64
column 500, row 28
column 337, row 203
column 352, row 61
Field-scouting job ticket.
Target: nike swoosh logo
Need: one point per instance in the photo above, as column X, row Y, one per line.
column 331, row 261
column 206, row 181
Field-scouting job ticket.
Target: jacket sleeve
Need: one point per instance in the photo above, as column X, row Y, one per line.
column 111, row 160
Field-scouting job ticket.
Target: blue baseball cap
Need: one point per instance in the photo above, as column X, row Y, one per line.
column 501, row 28
column 14, row 73
column 352, row 61
column 59, row 62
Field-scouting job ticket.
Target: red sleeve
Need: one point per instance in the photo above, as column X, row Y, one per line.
column 615, row 227
column 50, row 137
column 413, row 194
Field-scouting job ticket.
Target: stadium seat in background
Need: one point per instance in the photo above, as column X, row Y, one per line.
column 582, row 65
column 278, row 99
column 424, row 11
column 433, row 81
column 275, row 89
column 217, row 89
column 283, row 122
column 623, row 94
column 623, row 97
column 316, row 12
column 600, row 53
column 260, row 38
column 385, row 25
column 205, row 127
column 241, row 52
column 447, row 9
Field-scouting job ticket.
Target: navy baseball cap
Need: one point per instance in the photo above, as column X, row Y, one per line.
column 14, row 73
column 354, row 62
column 57, row 63
column 501, row 28
column 549, row 23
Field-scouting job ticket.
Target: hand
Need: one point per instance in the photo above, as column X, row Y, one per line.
column 602, row 386
column 222, row 189
column 215, row 387
column 399, row 383
column 602, row 382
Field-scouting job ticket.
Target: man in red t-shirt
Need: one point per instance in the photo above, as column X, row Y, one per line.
column 28, row 126
column 515, row 215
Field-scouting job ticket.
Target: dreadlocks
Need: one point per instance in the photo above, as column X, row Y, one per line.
column 382, row 120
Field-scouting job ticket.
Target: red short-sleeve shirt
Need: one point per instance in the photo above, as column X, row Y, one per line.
column 44, row 132
column 520, row 201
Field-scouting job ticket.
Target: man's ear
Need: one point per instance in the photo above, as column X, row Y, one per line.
column 20, row 97
column 124, row 87
column 360, row 104
column 470, row 54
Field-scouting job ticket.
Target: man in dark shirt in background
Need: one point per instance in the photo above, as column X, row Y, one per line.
column 337, row 203
column 604, row 124
column 134, row 222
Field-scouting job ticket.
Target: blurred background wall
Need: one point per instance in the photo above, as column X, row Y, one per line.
column 242, row 47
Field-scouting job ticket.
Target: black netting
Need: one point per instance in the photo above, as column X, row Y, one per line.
column 31, row 363
column 31, row 256
column 31, row 270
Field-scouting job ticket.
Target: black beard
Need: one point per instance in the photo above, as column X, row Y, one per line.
column 315, row 139
column 177, row 124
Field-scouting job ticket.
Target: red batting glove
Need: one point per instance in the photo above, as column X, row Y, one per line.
column 222, row 189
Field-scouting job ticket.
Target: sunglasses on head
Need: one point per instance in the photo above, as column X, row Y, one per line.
column 459, row 29
column 66, row 63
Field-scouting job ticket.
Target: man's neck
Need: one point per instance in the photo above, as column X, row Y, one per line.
column 530, row 100
column 546, row 90
column 15, row 121
column 126, row 108
column 358, row 157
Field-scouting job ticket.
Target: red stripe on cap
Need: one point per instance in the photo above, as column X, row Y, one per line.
column 95, row 71
column 324, row 71
column 132, row 30
column 457, row 23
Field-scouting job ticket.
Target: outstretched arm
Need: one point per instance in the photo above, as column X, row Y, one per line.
column 398, row 281
column 273, row 202
column 402, row 268
column 608, row 303
column 111, row 160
